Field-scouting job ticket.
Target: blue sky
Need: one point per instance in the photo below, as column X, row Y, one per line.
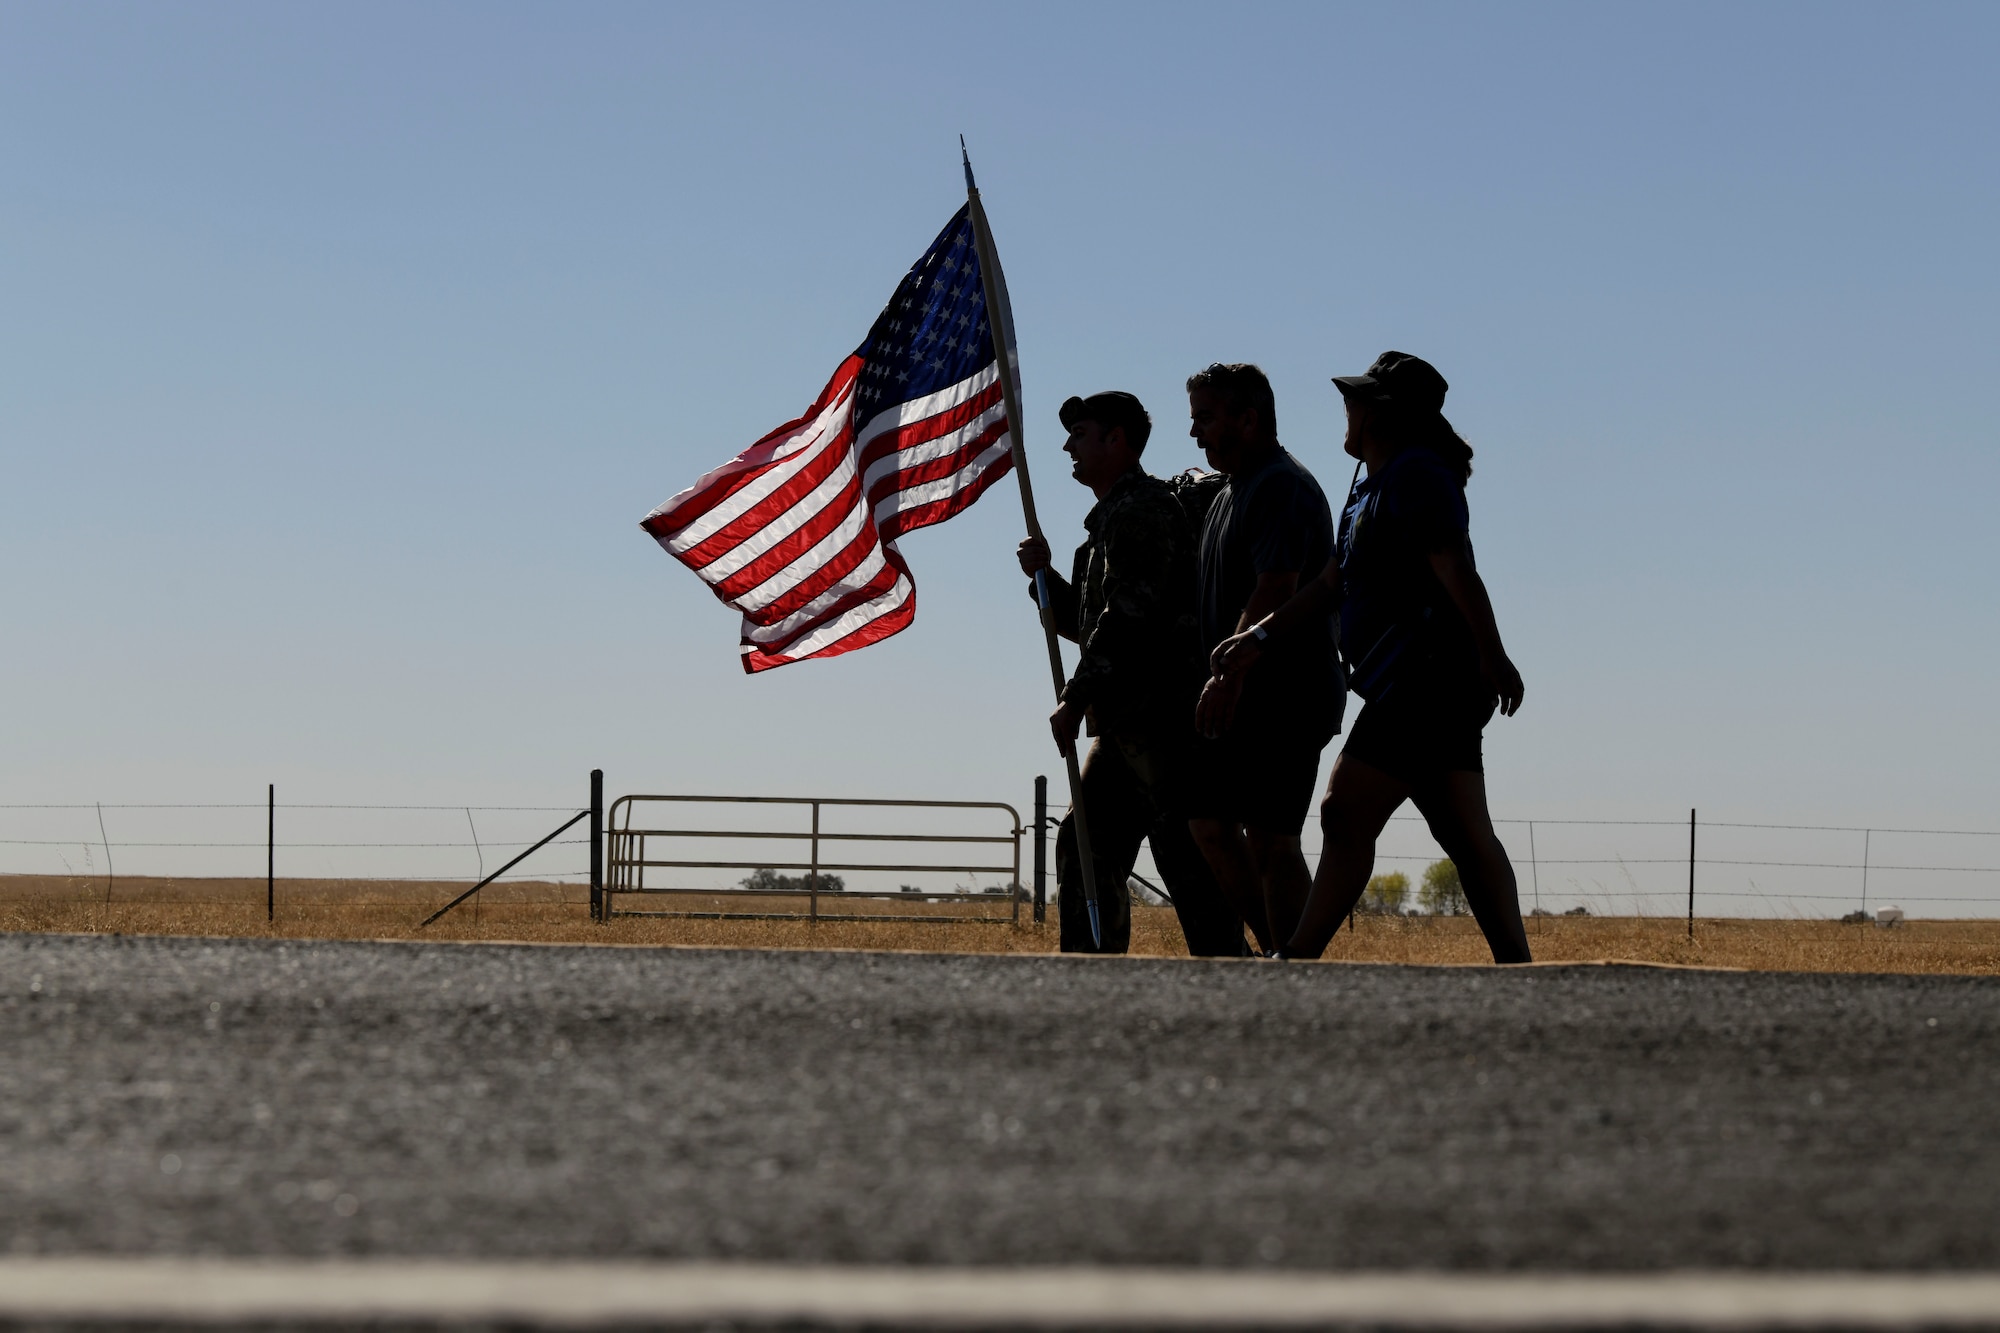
column 342, row 348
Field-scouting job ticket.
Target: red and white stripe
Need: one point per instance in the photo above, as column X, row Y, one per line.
column 798, row 532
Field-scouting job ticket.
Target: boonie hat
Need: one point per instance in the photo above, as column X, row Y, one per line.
column 1399, row 378
column 1114, row 407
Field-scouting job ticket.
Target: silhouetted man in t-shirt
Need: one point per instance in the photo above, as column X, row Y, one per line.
column 1269, row 530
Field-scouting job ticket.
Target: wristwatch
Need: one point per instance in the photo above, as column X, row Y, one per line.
column 1259, row 633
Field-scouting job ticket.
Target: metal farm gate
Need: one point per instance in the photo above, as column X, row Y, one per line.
column 638, row 844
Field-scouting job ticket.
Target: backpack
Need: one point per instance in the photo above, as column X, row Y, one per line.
column 1195, row 491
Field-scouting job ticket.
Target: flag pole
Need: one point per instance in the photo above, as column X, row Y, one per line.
column 1001, row 320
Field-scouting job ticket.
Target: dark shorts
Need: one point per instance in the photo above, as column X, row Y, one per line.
column 1418, row 733
column 1262, row 780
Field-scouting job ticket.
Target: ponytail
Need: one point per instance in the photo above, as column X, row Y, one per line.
column 1429, row 430
column 1449, row 445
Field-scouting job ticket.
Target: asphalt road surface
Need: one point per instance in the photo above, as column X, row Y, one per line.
column 163, row 1096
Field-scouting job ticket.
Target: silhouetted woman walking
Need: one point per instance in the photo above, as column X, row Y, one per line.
column 1421, row 647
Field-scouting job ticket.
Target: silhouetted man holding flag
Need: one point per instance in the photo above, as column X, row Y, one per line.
column 1129, row 606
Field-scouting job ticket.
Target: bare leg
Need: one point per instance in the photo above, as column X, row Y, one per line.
column 1359, row 800
column 1222, row 845
column 1456, row 811
column 1283, row 877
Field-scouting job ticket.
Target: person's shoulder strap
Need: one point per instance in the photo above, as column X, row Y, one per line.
column 1353, row 485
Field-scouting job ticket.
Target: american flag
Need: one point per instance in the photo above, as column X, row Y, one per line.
column 798, row 532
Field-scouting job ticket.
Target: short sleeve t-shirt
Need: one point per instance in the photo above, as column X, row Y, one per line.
column 1274, row 519
column 1396, row 620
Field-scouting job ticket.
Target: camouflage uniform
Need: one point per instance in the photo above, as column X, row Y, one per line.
column 1129, row 605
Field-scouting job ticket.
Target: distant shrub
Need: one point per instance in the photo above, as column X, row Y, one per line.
column 1442, row 894
column 1385, row 894
column 1578, row 910
column 770, row 881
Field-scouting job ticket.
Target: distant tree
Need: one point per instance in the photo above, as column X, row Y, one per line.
column 770, row 881
column 1386, row 894
column 1442, row 894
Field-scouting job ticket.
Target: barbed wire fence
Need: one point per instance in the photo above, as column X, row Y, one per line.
column 1738, row 868
column 164, row 849
column 1624, row 867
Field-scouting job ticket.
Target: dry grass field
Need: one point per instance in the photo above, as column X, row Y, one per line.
column 555, row 913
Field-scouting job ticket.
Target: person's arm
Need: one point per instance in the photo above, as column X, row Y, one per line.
column 1216, row 707
column 1273, row 590
column 1237, row 654
column 1280, row 520
column 1138, row 549
column 1454, row 569
column 1033, row 553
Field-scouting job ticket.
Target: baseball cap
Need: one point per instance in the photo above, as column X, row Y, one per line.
column 1114, row 407
column 1399, row 378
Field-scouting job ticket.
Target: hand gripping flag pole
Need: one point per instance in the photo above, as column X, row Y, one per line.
column 1001, row 320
